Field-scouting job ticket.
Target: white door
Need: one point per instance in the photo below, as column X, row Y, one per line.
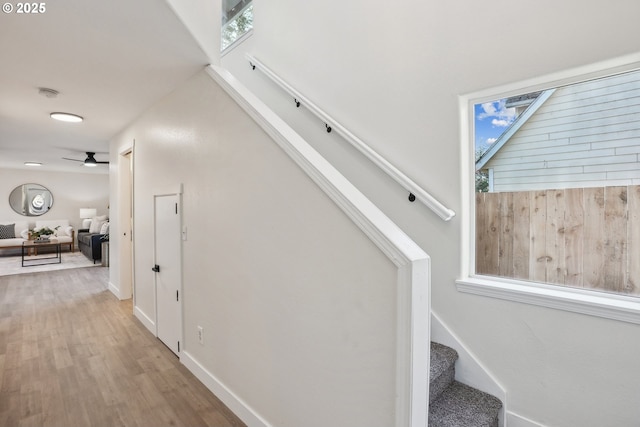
column 168, row 274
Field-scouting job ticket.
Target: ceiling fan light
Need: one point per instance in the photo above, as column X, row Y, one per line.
column 32, row 164
column 90, row 164
column 66, row 117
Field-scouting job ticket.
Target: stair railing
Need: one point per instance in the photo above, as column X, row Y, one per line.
column 415, row 191
column 413, row 285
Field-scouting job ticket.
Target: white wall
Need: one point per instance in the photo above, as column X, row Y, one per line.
column 198, row 16
column 392, row 74
column 71, row 191
column 298, row 306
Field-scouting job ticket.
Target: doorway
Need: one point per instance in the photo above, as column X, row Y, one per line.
column 125, row 222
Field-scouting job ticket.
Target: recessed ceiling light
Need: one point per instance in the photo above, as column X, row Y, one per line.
column 32, row 164
column 67, row 117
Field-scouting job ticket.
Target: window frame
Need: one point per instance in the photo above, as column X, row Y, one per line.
column 240, row 39
column 589, row 302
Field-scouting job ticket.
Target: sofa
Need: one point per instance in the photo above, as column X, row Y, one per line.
column 90, row 239
column 62, row 232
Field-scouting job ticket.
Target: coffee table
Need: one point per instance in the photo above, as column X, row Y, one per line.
column 31, row 244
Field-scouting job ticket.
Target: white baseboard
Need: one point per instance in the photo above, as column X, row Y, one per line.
column 146, row 320
column 515, row 420
column 114, row 290
column 233, row 402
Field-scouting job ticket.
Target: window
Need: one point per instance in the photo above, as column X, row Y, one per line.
column 556, row 201
column 237, row 21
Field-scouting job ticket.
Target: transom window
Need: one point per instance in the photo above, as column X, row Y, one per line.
column 237, row 21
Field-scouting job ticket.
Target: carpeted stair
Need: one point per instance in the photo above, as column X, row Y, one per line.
column 453, row 404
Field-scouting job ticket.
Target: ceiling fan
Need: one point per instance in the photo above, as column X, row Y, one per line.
column 89, row 161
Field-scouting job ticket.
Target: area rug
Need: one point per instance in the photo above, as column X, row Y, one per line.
column 13, row 264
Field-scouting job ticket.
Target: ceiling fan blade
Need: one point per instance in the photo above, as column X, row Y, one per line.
column 91, row 160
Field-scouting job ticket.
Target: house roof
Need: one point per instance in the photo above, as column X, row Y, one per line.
column 521, row 100
column 540, row 98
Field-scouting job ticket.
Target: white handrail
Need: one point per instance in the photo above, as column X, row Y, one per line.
column 407, row 183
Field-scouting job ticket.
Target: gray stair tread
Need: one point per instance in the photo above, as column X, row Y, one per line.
column 462, row 406
column 442, row 369
column 442, row 357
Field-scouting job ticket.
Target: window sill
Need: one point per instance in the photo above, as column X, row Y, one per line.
column 593, row 303
column 237, row 42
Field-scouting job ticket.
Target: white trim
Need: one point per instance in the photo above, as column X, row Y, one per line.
column 491, row 181
column 407, row 183
column 515, row 420
column 222, row 392
column 115, row 290
column 145, row 320
column 412, row 379
column 169, row 190
column 237, row 42
column 561, row 78
column 413, row 263
column 125, row 158
column 609, row 306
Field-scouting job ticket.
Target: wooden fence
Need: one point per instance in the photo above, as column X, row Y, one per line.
column 582, row 237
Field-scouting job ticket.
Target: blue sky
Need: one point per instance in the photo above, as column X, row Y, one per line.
column 491, row 119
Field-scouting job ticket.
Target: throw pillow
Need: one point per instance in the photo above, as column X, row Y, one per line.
column 24, row 234
column 95, row 226
column 86, row 223
column 105, row 228
column 96, row 223
column 7, row 231
column 62, row 231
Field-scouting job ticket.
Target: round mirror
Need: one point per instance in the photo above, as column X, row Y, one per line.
column 31, row 199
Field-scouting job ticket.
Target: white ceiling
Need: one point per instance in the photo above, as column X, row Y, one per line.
column 110, row 61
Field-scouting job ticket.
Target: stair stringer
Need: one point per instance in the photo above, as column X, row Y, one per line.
column 469, row 370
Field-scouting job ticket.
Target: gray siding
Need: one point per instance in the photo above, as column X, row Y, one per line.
column 584, row 135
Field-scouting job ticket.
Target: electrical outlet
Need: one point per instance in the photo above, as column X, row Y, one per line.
column 200, row 335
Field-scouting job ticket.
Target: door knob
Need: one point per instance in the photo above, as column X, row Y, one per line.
column 156, row 268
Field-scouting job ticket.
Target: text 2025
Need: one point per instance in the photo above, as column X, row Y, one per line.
column 31, row 7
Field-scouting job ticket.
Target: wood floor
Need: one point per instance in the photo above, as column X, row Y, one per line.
column 71, row 354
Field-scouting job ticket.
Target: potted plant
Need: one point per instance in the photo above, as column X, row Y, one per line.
column 41, row 233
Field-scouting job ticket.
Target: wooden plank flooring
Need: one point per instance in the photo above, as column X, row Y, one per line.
column 71, row 354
